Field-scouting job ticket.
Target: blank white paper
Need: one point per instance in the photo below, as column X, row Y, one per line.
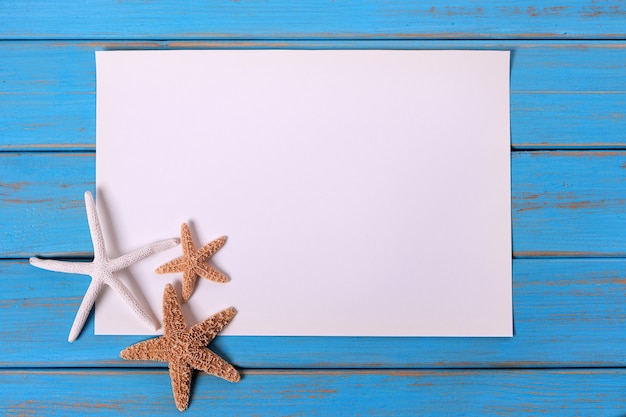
column 363, row 193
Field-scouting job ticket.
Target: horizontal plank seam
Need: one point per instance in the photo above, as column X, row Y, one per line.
column 565, row 148
column 87, row 257
column 283, row 43
column 616, row 257
column 46, row 150
column 359, row 370
column 456, row 37
column 514, row 149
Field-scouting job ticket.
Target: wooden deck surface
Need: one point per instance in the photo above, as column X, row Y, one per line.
column 568, row 138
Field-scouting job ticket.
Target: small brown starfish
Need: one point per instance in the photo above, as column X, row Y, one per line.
column 185, row 348
column 193, row 263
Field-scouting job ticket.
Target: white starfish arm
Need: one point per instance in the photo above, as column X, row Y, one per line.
column 62, row 266
column 134, row 305
column 99, row 252
column 85, row 307
column 127, row 260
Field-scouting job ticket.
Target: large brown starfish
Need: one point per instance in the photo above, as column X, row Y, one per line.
column 193, row 263
column 185, row 348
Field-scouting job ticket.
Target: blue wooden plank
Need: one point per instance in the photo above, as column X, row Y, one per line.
column 569, row 120
column 312, row 19
column 46, row 92
column 563, row 94
column 41, row 202
column 563, row 203
column 568, row 312
column 569, row 203
column 340, row 393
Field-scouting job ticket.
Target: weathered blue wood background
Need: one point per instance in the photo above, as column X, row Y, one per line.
column 568, row 115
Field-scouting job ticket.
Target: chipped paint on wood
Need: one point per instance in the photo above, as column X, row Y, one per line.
column 568, row 312
column 376, row 19
column 568, row 203
column 559, row 307
column 476, row 392
column 551, row 197
column 563, row 94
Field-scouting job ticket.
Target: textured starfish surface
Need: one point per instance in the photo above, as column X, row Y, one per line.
column 193, row 263
column 185, row 348
column 102, row 271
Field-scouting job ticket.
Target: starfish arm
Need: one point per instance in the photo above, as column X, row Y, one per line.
column 148, row 350
column 190, row 277
column 134, row 305
column 211, row 248
column 205, row 360
column 180, row 374
column 173, row 320
column 94, row 228
column 85, row 307
column 206, row 271
column 130, row 258
column 187, row 241
column 204, row 332
column 177, row 265
column 62, row 266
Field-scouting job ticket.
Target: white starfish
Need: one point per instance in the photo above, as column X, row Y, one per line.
column 102, row 271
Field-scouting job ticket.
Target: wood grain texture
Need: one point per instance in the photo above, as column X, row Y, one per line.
column 41, row 201
column 340, row 393
column 317, row 19
column 563, row 94
column 568, row 90
column 567, row 313
column 569, row 203
column 564, row 203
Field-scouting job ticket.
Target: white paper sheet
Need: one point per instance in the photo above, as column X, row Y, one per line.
column 363, row 193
